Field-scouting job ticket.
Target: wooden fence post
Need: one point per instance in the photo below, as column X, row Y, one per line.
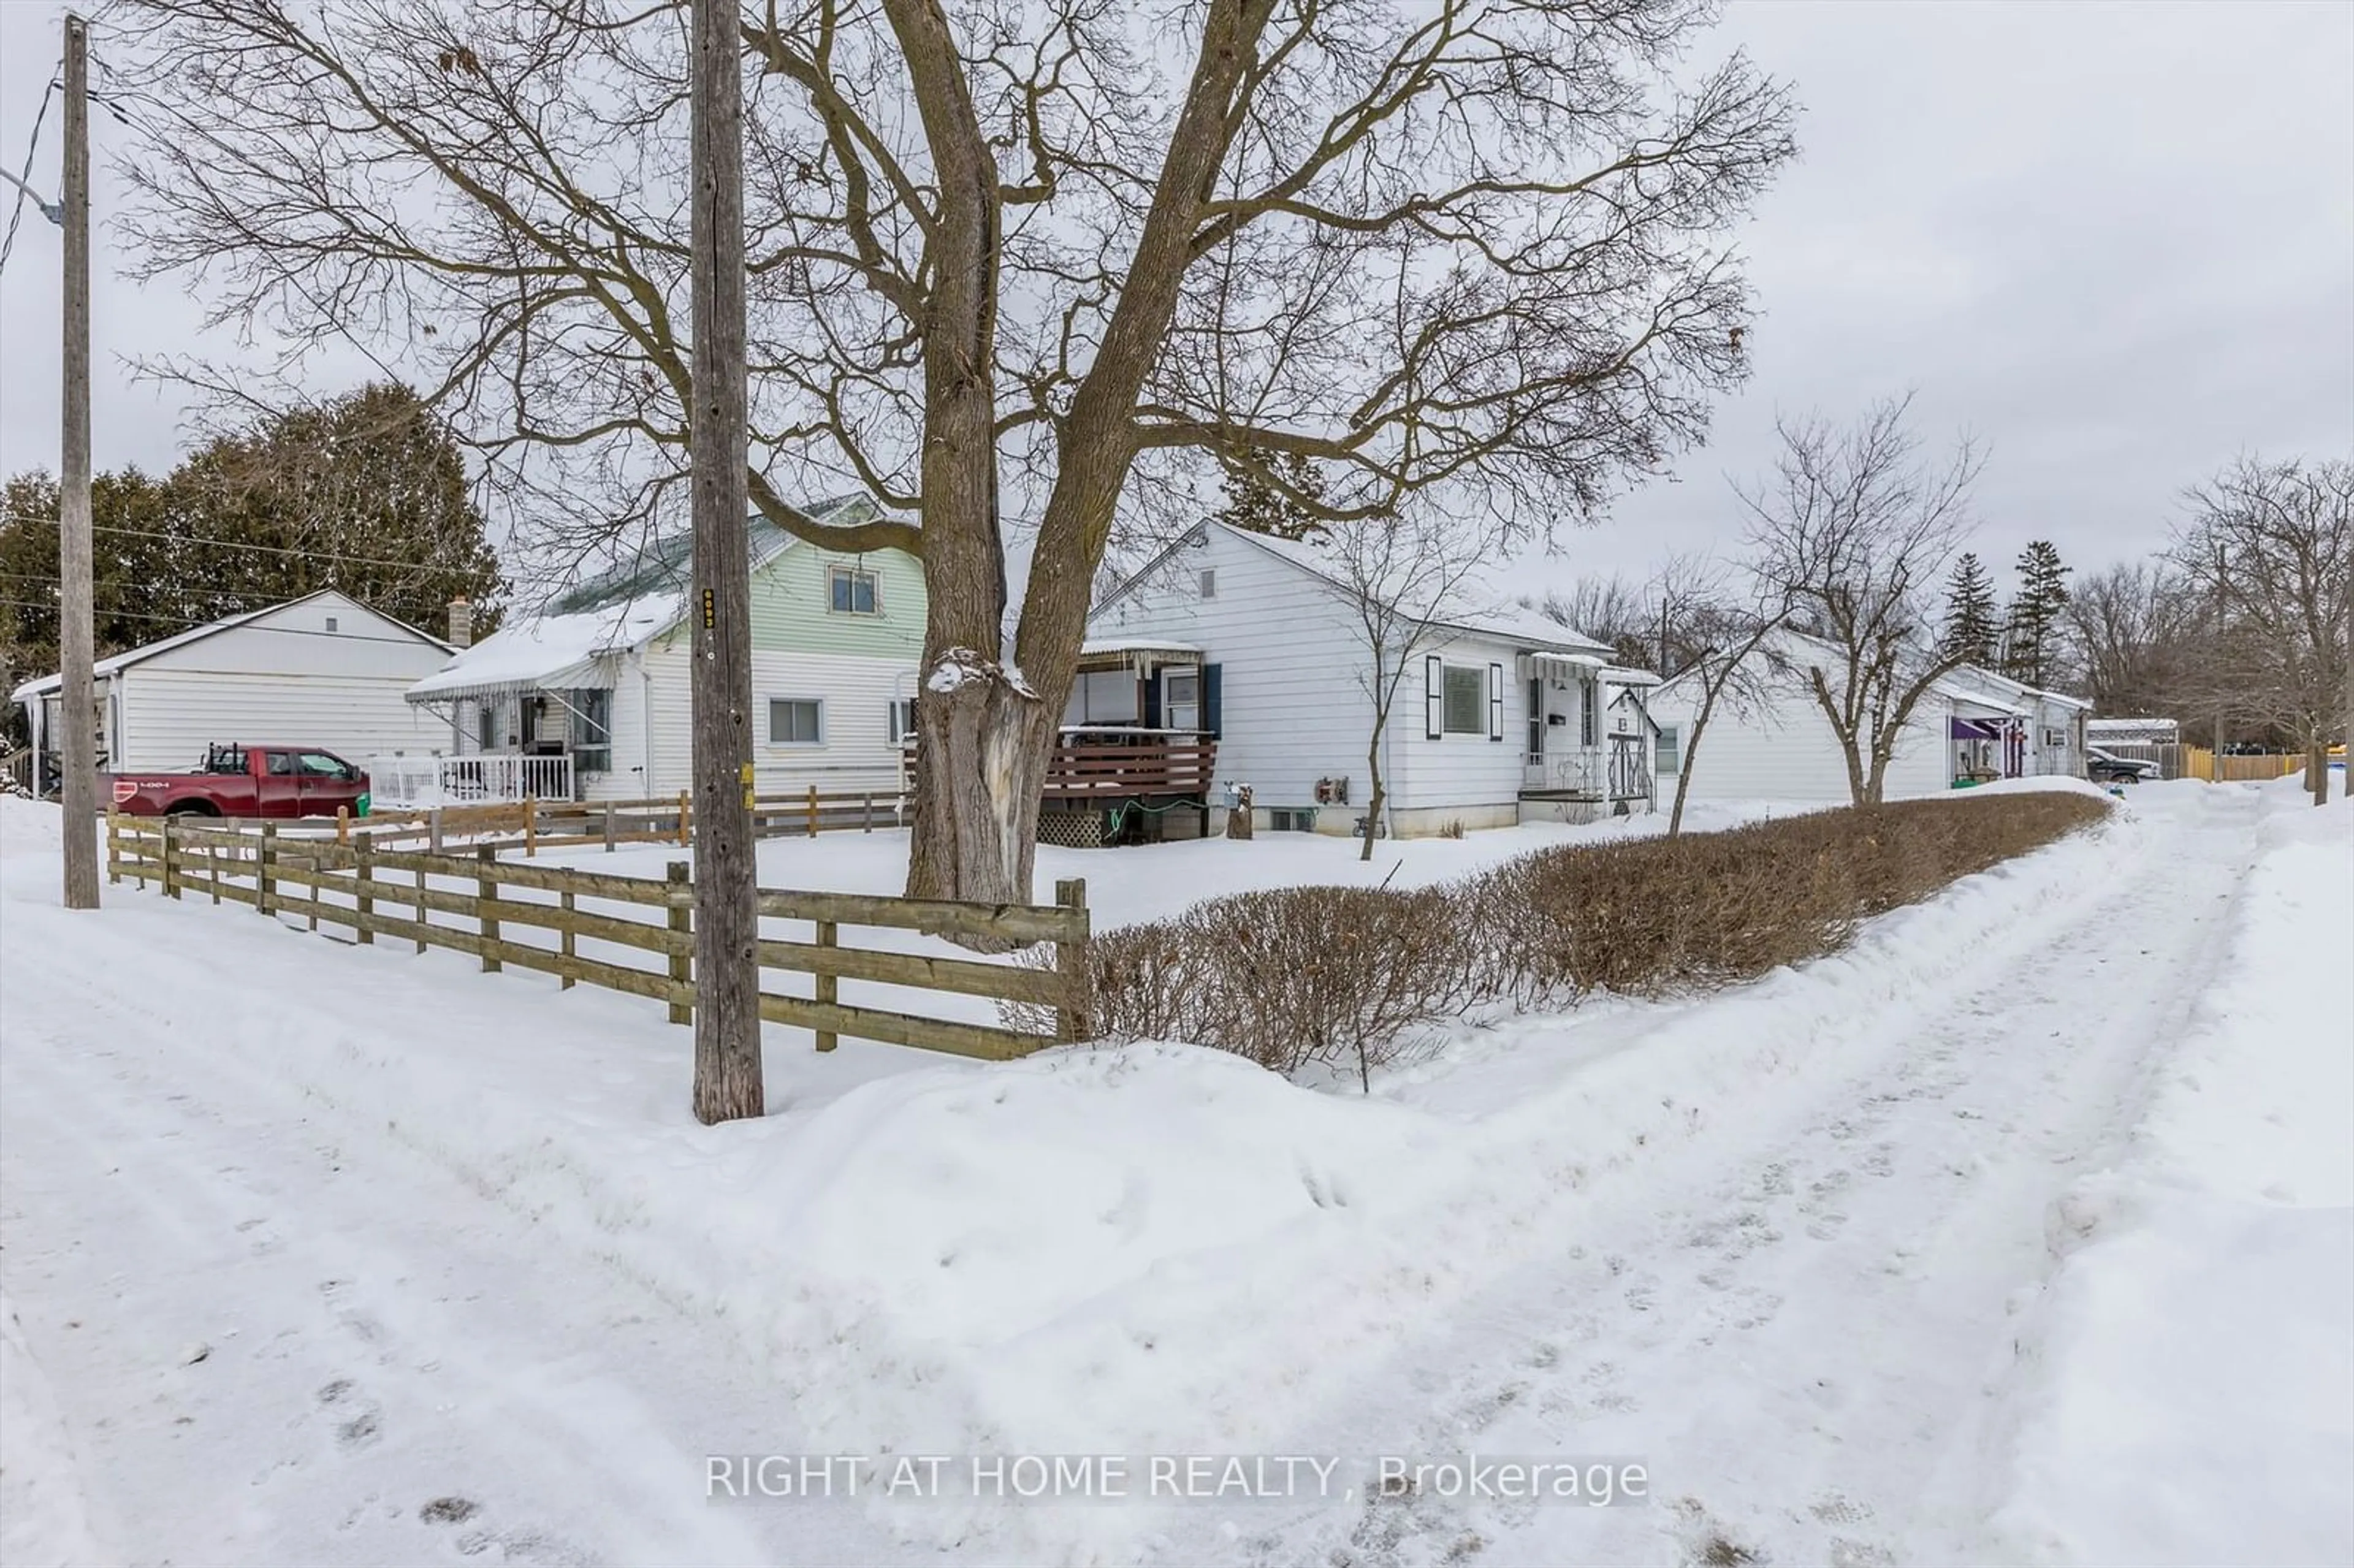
column 364, row 892
column 868, row 821
column 608, row 827
column 812, row 810
column 686, row 808
column 531, row 826
column 113, row 845
column 486, row 888
column 1071, row 1020
column 682, row 919
column 565, row 899
column 264, row 858
column 421, row 907
column 342, row 824
column 827, row 985
column 433, row 838
column 170, row 858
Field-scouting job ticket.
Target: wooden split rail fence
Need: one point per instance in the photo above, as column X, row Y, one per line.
column 643, row 942
column 527, row 824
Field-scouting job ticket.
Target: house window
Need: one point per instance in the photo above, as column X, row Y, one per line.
column 1291, row 820
column 901, row 726
column 1668, row 753
column 1181, row 699
column 331, row 623
column 1590, row 707
column 1466, row 710
column 592, row 731
column 851, row 590
column 1209, row 582
column 796, row 721
column 486, row 724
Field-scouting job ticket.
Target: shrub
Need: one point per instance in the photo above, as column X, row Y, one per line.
column 1349, row 976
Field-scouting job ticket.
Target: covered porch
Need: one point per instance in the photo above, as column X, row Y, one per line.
column 516, row 733
column 1590, row 736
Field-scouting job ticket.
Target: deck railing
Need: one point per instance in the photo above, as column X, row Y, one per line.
column 429, row 781
column 1112, row 763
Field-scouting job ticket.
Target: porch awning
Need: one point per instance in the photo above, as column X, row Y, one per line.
column 1567, row 661
column 1135, row 653
column 548, row 652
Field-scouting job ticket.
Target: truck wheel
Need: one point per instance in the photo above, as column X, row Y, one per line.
column 193, row 809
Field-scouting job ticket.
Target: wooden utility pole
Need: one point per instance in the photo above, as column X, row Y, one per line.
column 727, row 910
column 76, row 704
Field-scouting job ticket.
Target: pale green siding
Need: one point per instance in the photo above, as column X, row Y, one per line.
column 792, row 613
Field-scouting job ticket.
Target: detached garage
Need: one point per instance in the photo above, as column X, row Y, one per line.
column 323, row 670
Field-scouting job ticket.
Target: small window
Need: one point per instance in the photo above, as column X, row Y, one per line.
column 851, row 590
column 279, row 764
column 1590, row 707
column 592, row 730
column 796, row 721
column 1209, row 582
column 900, row 727
column 1466, row 712
column 1291, row 820
column 331, row 623
column 1670, row 749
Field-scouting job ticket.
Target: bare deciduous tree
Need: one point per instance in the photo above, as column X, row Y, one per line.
column 1854, row 531
column 1613, row 610
column 1725, row 624
column 2273, row 545
column 2134, row 632
column 1404, row 582
column 1003, row 257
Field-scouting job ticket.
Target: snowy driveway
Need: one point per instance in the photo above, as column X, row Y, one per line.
column 266, row 1321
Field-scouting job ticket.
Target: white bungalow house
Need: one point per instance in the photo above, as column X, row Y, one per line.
column 323, row 670
column 588, row 699
column 1253, row 645
column 1971, row 727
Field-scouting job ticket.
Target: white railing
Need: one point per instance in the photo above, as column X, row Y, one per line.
column 424, row 783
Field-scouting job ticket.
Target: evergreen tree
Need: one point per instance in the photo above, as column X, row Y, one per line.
column 1970, row 631
column 1255, row 502
column 366, row 493
column 2031, row 636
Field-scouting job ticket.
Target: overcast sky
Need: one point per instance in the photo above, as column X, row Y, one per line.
column 2114, row 241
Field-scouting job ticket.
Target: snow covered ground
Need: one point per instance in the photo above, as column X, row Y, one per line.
column 333, row 1254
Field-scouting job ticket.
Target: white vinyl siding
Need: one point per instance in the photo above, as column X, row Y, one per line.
column 652, row 743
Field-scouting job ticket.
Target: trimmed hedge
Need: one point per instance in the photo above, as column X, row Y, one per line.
column 1351, row 976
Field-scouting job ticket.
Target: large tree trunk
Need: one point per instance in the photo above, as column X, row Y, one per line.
column 2317, row 765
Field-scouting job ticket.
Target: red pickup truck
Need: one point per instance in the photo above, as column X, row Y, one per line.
column 248, row 782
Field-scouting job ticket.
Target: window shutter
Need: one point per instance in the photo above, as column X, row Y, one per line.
column 1496, row 702
column 1433, row 696
column 1210, row 684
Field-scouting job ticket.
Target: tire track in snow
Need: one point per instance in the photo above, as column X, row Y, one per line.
column 272, row 1352
column 1799, row 1323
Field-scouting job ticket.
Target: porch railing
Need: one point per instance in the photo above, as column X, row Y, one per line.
column 1113, row 763
column 1621, row 773
column 424, row 783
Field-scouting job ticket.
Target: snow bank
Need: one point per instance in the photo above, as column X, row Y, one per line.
column 2190, row 1394
column 44, row 1518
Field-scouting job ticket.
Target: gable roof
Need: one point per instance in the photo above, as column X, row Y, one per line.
column 572, row 642
column 116, row 664
column 1504, row 621
column 1976, row 678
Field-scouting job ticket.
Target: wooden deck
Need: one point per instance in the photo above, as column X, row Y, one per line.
column 1113, row 765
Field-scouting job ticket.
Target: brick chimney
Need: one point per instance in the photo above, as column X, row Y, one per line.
column 461, row 623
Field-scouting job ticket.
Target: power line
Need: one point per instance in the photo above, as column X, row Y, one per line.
column 17, row 213
column 196, row 539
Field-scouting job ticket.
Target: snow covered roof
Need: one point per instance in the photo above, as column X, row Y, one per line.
column 551, row 652
column 574, row 643
column 1620, row 675
column 1981, row 684
column 1495, row 614
column 129, row 657
column 2150, row 729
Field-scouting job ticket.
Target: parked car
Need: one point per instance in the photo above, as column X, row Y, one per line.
column 2108, row 767
column 241, row 780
